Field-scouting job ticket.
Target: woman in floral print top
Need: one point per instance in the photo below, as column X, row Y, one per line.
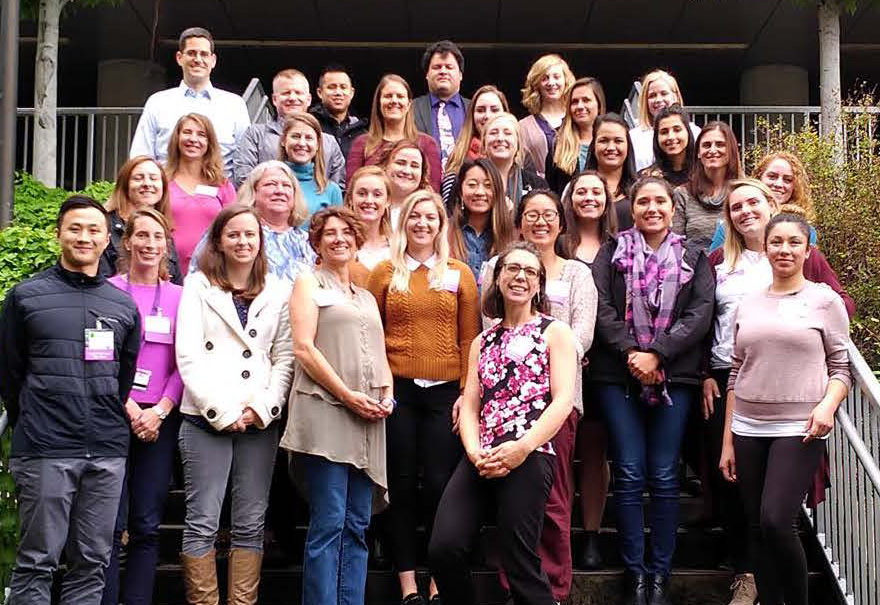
column 519, row 392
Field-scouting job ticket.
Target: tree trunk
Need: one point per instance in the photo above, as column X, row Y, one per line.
column 829, row 74
column 46, row 92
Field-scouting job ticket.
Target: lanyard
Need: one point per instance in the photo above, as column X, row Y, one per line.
column 156, row 295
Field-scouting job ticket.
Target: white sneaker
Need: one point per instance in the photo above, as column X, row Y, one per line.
column 744, row 590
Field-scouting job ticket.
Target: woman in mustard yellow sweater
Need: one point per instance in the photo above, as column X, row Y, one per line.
column 429, row 307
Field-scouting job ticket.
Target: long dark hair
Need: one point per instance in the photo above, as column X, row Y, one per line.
column 493, row 302
column 500, row 225
column 212, row 261
column 628, row 175
column 663, row 161
column 607, row 222
column 699, row 183
column 558, row 245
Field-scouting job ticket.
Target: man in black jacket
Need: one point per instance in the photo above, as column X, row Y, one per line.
column 336, row 91
column 69, row 342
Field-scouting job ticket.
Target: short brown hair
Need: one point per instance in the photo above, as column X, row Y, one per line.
column 212, row 262
column 123, row 263
column 320, row 218
column 194, row 32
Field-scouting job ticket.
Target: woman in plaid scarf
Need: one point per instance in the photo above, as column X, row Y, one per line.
column 656, row 298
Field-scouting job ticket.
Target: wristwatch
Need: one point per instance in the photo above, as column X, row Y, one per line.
column 162, row 414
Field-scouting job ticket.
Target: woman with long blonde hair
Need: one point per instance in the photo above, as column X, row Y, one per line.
column 502, row 145
column 543, row 95
column 428, row 303
column 584, row 102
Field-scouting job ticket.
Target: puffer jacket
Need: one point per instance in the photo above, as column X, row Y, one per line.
column 61, row 405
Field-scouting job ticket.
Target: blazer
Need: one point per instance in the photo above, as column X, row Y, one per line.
column 225, row 366
column 421, row 107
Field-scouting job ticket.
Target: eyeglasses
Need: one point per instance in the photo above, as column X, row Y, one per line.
column 198, row 54
column 549, row 216
column 513, row 269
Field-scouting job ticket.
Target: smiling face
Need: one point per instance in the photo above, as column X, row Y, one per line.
column 519, row 278
column 336, row 92
column 583, row 106
column 588, row 198
column 660, row 95
column 787, row 249
column 749, row 211
column 713, row 151
column 82, row 236
column 611, row 147
column 193, row 140
column 273, row 194
column 148, row 244
column 540, row 221
column 552, row 85
column 422, row 225
column 500, row 140
column 291, row 95
column 338, row 243
column 652, row 209
column 779, row 177
column 240, row 239
column 444, row 75
column 301, row 143
column 476, row 191
column 196, row 60
column 486, row 106
column 145, row 185
column 672, row 135
column 405, row 170
column 369, row 198
column 393, row 102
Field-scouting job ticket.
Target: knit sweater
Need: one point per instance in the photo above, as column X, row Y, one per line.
column 787, row 347
column 428, row 332
column 696, row 217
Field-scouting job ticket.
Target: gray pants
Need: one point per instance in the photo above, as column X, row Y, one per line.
column 64, row 504
column 210, row 461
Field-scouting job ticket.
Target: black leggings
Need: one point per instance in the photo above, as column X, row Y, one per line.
column 518, row 501
column 774, row 474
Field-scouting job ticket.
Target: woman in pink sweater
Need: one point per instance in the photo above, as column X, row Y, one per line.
column 790, row 371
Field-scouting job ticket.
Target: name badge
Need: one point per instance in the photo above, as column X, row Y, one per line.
column 519, row 347
column 451, row 278
column 157, row 328
column 325, row 298
column 792, row 309
column 207, row 190
column 141, row 379
column 99, row 345
column 556, row 291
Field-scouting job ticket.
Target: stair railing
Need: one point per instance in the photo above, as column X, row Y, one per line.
column 257, row 102
column 847, row 523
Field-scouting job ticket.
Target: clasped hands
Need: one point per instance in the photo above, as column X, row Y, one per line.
column 498, row 461
column 644, row 366
column 369, row 407
column 145, row 422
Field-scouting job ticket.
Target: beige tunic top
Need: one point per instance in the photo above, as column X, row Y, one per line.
column 349, row 335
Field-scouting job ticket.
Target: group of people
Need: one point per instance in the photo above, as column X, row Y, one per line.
column 434, row 311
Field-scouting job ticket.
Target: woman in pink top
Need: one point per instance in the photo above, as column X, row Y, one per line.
column 789, row 373
column 197, row 187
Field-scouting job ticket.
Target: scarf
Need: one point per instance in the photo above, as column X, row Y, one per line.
column 653, row 280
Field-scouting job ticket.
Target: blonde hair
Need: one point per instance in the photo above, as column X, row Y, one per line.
column 400, row 272
column 348, row 200
column 531, row 92
column 646, row 122
column 312, row 122
column 568, row 145
column 248, row 190
column 463, row 142
column 518, row 157
column 800, row 201
column 376, row 131
column 734, row 243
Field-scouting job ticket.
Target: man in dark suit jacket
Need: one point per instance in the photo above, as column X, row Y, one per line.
column 442, row 111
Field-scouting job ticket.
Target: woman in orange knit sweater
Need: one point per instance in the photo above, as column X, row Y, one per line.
column 429, row 307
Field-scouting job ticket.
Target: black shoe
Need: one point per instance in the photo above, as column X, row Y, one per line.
column 635, row 589
column 413, row 598
column 435, row 600
column 658, row 589
column 591, row 558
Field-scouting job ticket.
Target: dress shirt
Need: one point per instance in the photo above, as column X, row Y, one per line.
column 455, row 111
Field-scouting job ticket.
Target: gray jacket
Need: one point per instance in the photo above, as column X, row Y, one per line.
column 260, row 143
column 421, row 108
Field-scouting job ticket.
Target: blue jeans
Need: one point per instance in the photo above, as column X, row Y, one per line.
column 645, row 444
column 140, row 511
column 335, row 561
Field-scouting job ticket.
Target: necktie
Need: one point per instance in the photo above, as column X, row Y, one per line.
column 444, row 127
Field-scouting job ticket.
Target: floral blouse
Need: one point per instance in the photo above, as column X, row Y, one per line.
column 514, row 370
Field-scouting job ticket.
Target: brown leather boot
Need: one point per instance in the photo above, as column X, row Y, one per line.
column 200, row 579
column 244, row 576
